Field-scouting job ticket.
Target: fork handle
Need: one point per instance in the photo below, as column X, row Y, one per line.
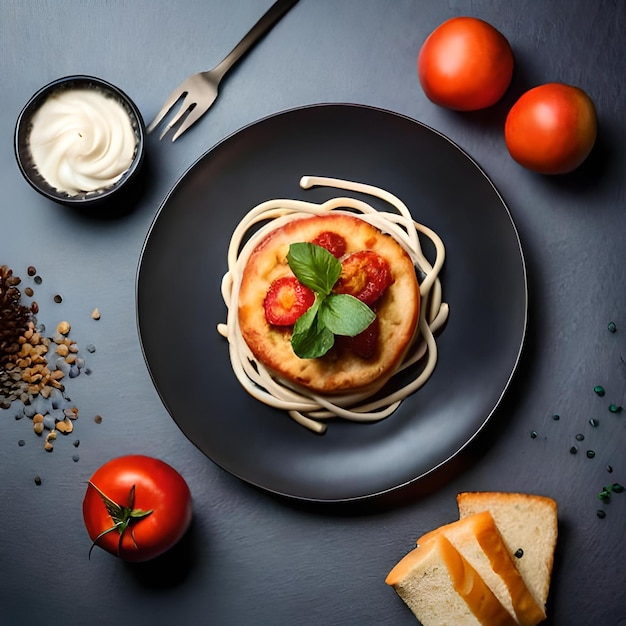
column 265, row 23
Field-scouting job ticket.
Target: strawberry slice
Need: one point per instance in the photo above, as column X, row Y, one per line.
column 365, row 275
column 286, row 300
column 365, row 344
column 333, row 242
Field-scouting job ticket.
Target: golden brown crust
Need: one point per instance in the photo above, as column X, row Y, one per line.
column 339, row 370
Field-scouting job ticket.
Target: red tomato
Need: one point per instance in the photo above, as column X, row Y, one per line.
column 136, row 507
column 364, row 275
column 365, row 344
column 465, row 64
column 333, row 242
column 286, row 300
column 551, row 129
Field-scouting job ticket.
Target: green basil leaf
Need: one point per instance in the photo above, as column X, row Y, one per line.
column 308, row 318
column 343, row 314
column 310, row 339
column 314, row 266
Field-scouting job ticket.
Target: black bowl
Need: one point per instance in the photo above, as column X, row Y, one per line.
column 25, row 159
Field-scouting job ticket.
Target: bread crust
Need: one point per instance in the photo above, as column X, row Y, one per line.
column 339, row 370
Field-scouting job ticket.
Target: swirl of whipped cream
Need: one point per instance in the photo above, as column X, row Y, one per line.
column 82, row 140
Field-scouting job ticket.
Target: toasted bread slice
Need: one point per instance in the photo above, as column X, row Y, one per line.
column 478, row 540
column 443, row 589
column 529, row 528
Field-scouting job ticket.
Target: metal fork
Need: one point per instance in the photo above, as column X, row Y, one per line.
column 199, row 91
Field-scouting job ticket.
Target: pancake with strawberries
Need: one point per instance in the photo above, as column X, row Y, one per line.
column 375, row 269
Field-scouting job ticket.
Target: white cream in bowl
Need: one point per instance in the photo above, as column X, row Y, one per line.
column 81, row 140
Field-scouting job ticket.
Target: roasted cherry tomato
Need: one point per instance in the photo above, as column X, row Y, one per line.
column 286, row 300
column 551, row 129
column 365, row 275
column 333, row 242
column 465, row 64
column 365, row 344
column 136, row 507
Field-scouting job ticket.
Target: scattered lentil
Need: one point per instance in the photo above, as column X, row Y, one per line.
column 614, row 408
column 95, row 314
column 609, row 469
column 519, row 553
column 38, row 480
column 533, row 434
column 63, row 328
column 590, row 454
column 612, row 327
column 556, row 417
column 76, row 443
column 601, row 514
column 98, row 419
column 65, row 426
column 75, row 458
column 580, row 437
column 599, row 389
column 573, row 450
column 594, row 422
column 21, row 443
column 33, row 366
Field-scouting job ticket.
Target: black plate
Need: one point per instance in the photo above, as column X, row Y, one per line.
column 179, row 301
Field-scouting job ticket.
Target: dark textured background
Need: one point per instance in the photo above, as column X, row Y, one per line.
column 251, row 558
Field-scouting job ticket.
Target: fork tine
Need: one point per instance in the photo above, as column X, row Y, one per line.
column 187, row 104
column 194, row 115
column 175, row 96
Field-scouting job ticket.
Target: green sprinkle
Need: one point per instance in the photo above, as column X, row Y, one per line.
column 599, row 389
column 611, row 326
column 605, row 494
column 614, row 408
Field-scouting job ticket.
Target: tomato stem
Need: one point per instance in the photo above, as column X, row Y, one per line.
column 122, row 517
